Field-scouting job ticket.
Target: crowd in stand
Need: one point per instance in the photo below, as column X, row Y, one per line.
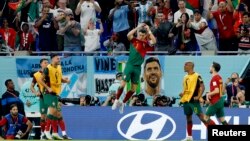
column 88, row 25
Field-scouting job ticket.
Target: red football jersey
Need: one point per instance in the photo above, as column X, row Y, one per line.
column 216, row 82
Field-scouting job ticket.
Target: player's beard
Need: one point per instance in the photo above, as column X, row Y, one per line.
column 14, row 114
column 155, row 83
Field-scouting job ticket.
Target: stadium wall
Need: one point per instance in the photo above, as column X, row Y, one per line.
column 92, row 75
column 140, row 123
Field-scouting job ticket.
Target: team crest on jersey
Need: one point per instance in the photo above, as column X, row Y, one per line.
column 53, row 103
column 43, row 109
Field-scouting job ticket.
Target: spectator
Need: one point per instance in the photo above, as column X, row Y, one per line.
column 238, row 15
column 11, row 96
column 235, row 91
column 119, row 16
column 20, row 129
column 185, row 36
column 53, row 3
column 60, row 15
column 145, row 11
column 174, row 5
column 87, row 9
column 161, row 30
column 243, row 33
column 163, row 6
column 133, row 15
column 72, row 34
column 114, row 44
column 47, row 3
column 182, row 9
column 26, row 38
column 223, row 17
column 92, row 36
column 167, row 11
column 8, row 34
column 47, row 27
column 203, row 34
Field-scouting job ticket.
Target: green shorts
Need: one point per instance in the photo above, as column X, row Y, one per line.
column 51, row 100
column 190, row 107
column 132, row 73
column 216, row 109
column 43, row 107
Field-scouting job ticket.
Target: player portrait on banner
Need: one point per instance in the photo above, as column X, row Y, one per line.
column 152, row 75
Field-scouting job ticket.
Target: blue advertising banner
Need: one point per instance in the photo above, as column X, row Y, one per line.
column 73, row 67
column 140, row 123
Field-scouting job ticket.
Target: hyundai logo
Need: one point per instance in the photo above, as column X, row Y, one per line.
column 162, row 126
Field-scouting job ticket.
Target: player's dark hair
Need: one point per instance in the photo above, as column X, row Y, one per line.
column 7, row 82
column 52, row 55
column 152, row 59
column 246, row 14
column 143, row 30
column 216, row 66
column 44, row 59
column 12, row 106
column 119, row 74
column 32, row 74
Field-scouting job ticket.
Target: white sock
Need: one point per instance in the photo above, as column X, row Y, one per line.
column 64, row 133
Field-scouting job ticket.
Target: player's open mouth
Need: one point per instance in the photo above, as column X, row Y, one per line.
column 153, row 78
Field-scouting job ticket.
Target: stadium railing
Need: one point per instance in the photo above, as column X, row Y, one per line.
column 105, row 53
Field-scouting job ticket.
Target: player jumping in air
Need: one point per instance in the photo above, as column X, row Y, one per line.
column 138, row 49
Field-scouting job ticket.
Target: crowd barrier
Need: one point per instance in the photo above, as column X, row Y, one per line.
column 139, row 123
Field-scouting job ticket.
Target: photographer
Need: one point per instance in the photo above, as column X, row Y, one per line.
column 138, row 100
column 113, row 90
column 17, row 125
column 163, row 101
column 235, row 91
column 110, row 100
column 114, row 44
column 85, row 100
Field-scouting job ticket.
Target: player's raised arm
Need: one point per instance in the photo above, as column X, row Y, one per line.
column 132, row 32
column 152, row 39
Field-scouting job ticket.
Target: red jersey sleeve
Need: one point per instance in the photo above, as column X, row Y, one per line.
column 3, row 122
column 25, row 119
